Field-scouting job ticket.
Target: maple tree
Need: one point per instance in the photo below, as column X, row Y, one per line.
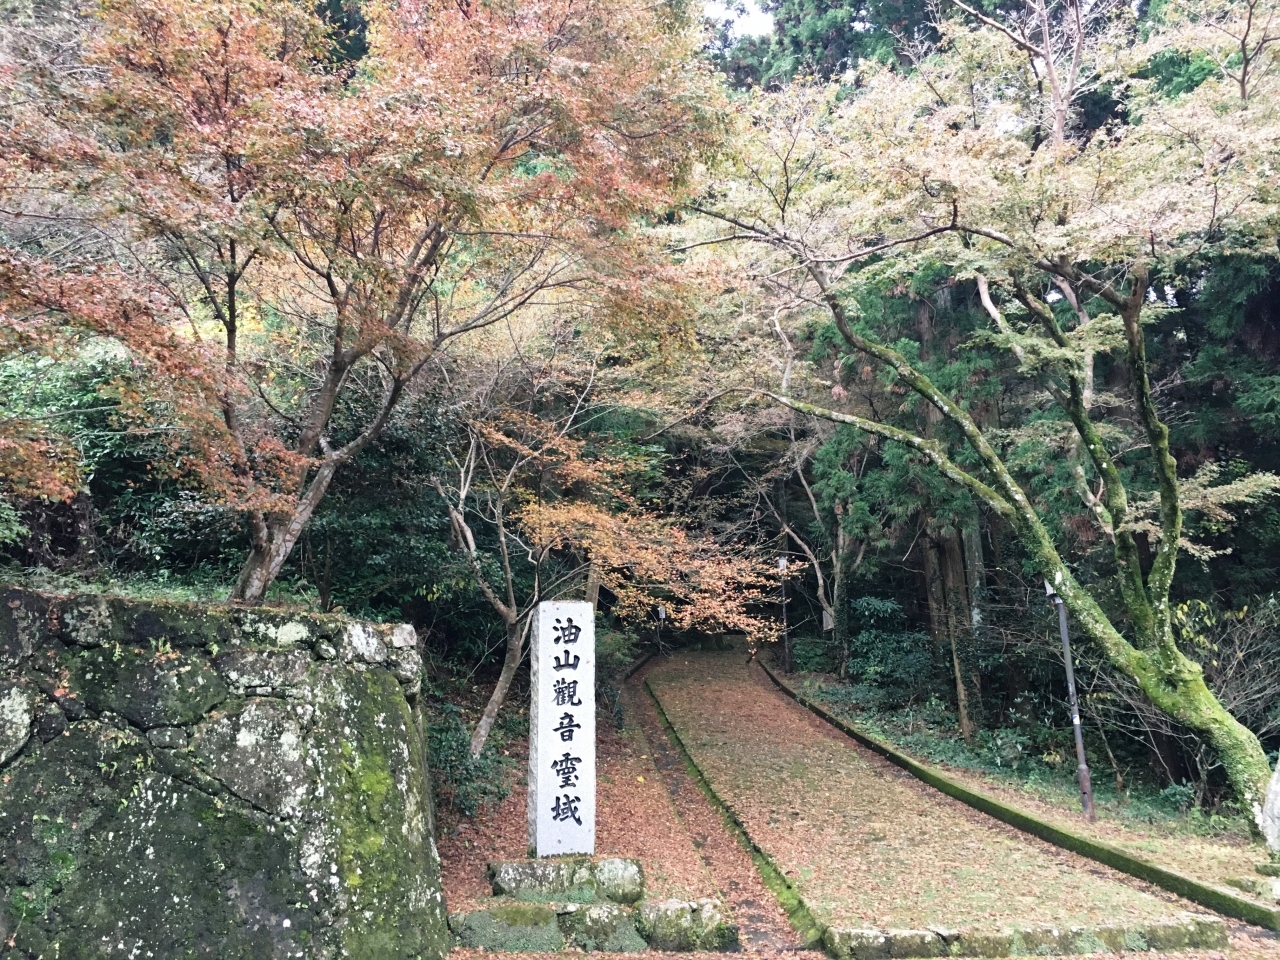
column 333, row 226
column 981, row 159
column 540, row 507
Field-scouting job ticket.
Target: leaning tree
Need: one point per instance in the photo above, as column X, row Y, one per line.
column 1073, row 235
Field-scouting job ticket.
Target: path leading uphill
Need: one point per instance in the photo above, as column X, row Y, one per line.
column 867, row 846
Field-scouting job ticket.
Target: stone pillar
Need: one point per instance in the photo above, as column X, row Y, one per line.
column 562, row 730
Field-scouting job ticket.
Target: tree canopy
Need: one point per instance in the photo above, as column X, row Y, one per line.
column 437, row 311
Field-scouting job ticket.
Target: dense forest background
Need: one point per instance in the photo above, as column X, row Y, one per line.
column 584, row 439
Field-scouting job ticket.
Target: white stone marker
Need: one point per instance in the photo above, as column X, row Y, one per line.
column 562, row 730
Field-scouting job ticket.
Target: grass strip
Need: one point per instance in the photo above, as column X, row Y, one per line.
column 797, row 912
column 1219, row 900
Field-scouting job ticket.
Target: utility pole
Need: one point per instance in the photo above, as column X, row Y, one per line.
column 1082, row 766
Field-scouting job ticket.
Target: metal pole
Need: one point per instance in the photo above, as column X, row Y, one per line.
column 1082, row 766
column 786, row 630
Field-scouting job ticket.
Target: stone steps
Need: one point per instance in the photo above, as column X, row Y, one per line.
column 590, row 904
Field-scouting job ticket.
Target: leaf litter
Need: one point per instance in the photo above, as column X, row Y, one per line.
column 866, row 844
column 647, row 808
column 684, row 821
column 1210, row 858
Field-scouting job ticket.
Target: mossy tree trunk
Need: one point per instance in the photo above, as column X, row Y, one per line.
column 1172, row 681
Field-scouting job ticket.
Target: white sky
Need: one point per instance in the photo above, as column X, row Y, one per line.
column 756, row 23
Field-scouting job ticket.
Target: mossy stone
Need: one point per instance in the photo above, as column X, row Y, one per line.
column 1206, row 933
column 987, row 944
column 248, row 670
column 170, row 816
column 685, row 925
column 619, row 880
column 150, row 688
column 512, row 928
column 845, row 944
column 258, row 751
column 916, row 943
column 573, row 879
column 600, row 926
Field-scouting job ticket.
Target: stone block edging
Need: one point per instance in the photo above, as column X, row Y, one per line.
column 638, row 665
column 664, row 925
column 1196, row 891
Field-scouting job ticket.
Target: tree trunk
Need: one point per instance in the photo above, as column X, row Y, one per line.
column 840, row 603
column 962, row 698
column 510, row 664
column 943, row 626
column 975, row 571
column 960, row 606
column 264, row 564
column 1171, row 681
column 267, row 558
column 935, row 597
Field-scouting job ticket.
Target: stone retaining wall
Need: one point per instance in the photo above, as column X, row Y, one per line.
column 184, row 781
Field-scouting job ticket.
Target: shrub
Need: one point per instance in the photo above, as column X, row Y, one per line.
column 463, row 784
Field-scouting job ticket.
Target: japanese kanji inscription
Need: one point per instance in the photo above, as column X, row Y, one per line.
column 562, row 730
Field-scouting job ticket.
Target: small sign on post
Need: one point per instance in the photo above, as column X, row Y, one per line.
column 562, row 730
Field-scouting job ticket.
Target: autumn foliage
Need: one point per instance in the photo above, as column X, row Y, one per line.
column 294, row 228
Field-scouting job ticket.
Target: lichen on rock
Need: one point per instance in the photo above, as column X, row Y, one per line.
column 16, row 711
column 686, row 925
column 606, row 927
column 186, row 781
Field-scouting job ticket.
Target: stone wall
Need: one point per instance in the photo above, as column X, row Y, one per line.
column 178, row 780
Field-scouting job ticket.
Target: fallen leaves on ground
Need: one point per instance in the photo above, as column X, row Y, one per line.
column 866, row 844
column 635, row 818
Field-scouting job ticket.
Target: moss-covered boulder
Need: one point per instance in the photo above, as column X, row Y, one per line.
column 620, row 880
column 686, row 925
column 178, row 781
column 600, row 926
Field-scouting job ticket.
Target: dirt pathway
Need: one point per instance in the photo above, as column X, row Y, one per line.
column 762, row 923
column 866, row 844
column 648, row 808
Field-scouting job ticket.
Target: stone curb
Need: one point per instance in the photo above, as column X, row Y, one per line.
column 889, row 944
column 1196, row 891
column 1189, row 933
column 638, row 665
column 613, row 879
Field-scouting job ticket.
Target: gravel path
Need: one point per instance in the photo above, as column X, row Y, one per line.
column 866, row 844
